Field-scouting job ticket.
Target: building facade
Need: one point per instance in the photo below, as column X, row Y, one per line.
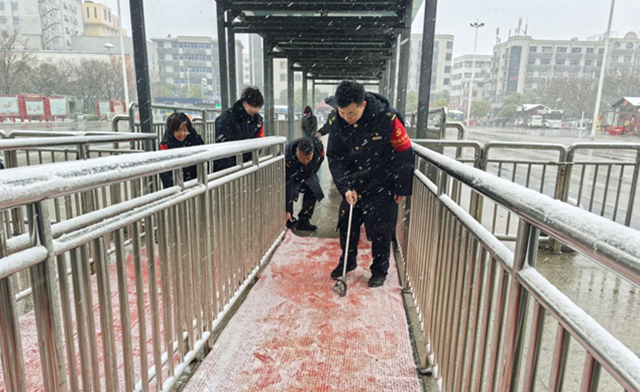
column 441, row 67
column 99, row 21
column 523, row 63
column 463, row 69
column 47, row 25
column 185, row 61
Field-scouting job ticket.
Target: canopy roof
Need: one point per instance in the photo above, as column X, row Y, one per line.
column 331, row 39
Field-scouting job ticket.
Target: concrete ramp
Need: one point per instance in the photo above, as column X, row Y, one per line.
column 293, row 333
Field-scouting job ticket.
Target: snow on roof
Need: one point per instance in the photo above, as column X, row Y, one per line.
column 530, row 106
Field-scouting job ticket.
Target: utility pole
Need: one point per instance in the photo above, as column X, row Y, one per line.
column 605, row 56
column 476, row 26
column 124, row 64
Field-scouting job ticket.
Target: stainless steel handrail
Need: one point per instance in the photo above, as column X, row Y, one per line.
column 457, row 241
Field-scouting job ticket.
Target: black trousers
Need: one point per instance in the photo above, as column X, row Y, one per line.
column 308, row 203
column 379, row 215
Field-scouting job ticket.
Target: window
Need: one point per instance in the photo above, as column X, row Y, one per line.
column 88, row 13
column 532, row 61
column 545, row 61
column 575, row 62
column 467, row 75
column 3, row 20
column 560, row 62
column 283, row 78
column 588, row 63
column 448, row 58
column 576, row 50
column 447, row 69
column 14, row 6
column 436, row 44
column 104, row 12
column 449, row 44
column 627, row 59
column 599, row 63
column 64, row 5
column 95, row 12
column 617, row 45
column 109, row 16
column 16, row 21
column 547, row 49
column 446, row 81
column 562, row 49
column 589, row 50
column 601, row 51
column 161, row 44
column 1, row 6
column 475, row 93
column 629, row 46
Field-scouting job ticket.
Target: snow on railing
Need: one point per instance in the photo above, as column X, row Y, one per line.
column 204, row 242
column 472, row 292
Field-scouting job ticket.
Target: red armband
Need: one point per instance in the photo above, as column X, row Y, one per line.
column 260, row 133
column 399, row 138
column 164, row 147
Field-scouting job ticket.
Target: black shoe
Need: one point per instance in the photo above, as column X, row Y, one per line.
column 293, row 225
column 305, row 225
column 377, row 280
column 337, row 272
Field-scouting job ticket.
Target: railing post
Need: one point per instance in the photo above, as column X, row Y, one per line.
column 10, row 340
column 46, row 302
column 632, row 190
column 515, row 328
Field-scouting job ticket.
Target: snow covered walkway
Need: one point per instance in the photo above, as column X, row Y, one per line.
column 293, row 333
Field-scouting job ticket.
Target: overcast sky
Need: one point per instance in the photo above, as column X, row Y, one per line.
column 548, row 19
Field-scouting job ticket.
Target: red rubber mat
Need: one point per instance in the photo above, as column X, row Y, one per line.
column 293, row 333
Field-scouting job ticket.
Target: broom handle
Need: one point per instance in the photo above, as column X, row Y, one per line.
column 346, row 248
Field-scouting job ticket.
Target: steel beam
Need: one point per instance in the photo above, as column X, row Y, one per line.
column 140, row 58
column 268, row 87
column 222, row 55
column 405, row 53
column 305, row 89
column 231, row 49
column 428, row 38
column 393, row 75
column 290, row 100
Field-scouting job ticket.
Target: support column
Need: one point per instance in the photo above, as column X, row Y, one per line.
column 393, row 74
column 428, row 37
column 313, row 93
column 140, row 59
column 222, row 56
column 305, row 90
column 290, row 100
column 405, row 53
column 231, row 49
column 268, row 85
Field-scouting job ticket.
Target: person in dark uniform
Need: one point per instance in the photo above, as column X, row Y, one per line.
column 303, row 159
column 240, row 122
column 179, row 133
column 371, row 161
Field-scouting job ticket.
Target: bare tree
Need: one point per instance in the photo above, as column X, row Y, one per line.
column 14, row 62
column 51, row 78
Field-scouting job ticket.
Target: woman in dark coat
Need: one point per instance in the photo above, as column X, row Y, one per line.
column 179, row 133
column 309, row 123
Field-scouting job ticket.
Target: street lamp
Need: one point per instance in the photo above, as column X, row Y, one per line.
column 124, row 65
column 594, row 124
column 476, row 26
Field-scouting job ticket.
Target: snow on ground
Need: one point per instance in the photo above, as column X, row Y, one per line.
column 294, row 333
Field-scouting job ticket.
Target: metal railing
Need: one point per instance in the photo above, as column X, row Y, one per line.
column 437, row 125
column 151, row 307
column 599, row 177
column 473, row 293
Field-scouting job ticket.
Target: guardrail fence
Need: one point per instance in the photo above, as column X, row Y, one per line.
column 482, row 306
column 167, row 264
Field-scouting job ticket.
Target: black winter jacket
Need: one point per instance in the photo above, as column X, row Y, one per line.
column 169, row 142
column 298, row 174
column 374, row 155
column 235, row 124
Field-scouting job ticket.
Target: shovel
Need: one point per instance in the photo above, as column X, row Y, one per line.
column 341, row 285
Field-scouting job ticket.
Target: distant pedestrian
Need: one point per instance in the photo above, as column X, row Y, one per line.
column 240, row 122
column 309, row 123
column 179, row 133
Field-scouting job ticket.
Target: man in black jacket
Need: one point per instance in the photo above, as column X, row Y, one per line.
column 371, row 161
column 240, row 122
column 303, row 159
